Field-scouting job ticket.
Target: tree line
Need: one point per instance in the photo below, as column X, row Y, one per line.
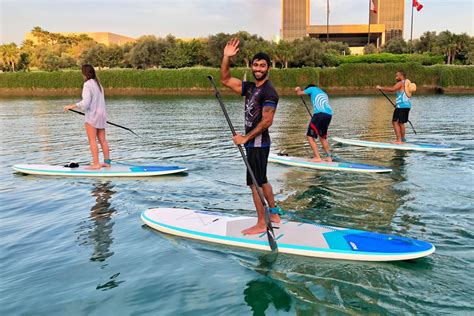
column 53, row 51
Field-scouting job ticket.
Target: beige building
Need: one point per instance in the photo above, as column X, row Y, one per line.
column 392, row 14
column 106, row 38
column 385, row 25
column 295, row 19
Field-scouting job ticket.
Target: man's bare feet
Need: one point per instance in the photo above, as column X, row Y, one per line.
column 275, row 218
column 257, row 229
column 94, row 167
column 317, row 159
column 328, row 159
column 397, row 142
column 106, row 165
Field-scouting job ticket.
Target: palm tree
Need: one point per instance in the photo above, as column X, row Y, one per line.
column 10, row 54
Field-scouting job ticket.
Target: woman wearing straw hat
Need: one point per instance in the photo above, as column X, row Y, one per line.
column 403, row 90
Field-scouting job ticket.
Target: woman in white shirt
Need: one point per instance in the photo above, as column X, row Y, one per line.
column 93, row 105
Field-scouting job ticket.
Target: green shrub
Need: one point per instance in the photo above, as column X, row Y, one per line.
column 351, row 75
column 456, row 76
column 383, row 58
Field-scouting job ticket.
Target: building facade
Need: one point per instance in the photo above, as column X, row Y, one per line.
column 105, row 38
column 392, row 14
column 295, row 19
column 386, row 24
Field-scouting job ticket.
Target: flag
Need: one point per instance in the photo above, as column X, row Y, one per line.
column 373, row 8
column 417, row 5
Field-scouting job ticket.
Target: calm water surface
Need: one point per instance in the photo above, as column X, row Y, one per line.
column 77, row 246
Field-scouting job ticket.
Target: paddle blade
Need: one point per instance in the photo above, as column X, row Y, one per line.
column 271, row 239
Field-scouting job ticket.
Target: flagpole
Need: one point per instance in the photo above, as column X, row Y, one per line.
column 368, row 36
column 411, row 32
column 327, row 21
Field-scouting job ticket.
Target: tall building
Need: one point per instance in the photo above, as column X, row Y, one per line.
column 385, row 25
column 392, row 14
column 295, row 18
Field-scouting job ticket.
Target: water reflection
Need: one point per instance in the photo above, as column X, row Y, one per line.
column 98, row 230
column 261, row 293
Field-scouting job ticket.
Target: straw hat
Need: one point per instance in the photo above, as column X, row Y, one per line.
column 410, row 87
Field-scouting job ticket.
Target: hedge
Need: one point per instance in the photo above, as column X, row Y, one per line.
column 346, row 75
column 383, row 58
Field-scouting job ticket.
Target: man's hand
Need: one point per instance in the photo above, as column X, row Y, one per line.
column 230, row 50
column 232, row 47
column 239, row 139
column 297, row 89
column 378, row 87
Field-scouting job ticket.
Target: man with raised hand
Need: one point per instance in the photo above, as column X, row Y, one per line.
column 261, row 101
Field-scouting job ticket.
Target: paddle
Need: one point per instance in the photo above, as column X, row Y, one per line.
column 270, row 233
column 390, row 100
column 128, row 129
column 306, row 106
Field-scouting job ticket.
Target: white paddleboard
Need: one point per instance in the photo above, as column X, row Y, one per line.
column 297, row 238
column 324, row 165
column 405, row 146
column 112, row 171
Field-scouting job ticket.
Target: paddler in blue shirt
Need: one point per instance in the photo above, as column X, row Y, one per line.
column 318, row 126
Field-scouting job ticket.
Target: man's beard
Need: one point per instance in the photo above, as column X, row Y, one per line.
column 265, row 74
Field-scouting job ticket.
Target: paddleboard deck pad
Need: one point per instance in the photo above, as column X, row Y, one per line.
column 297, row 238
column 324, row 165
column 118, row 170
column 405, row 146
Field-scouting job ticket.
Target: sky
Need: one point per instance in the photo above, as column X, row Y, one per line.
column 200, row 18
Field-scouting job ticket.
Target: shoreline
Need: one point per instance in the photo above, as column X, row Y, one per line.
column 44, row 92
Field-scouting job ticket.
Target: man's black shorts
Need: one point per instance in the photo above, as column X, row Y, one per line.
column 258, row 159
column 318, row 126
column 400, row 115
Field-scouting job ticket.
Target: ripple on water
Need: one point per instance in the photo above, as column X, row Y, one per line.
column 78, row 245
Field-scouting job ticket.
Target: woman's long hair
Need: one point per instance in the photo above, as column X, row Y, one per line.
column 89, row 72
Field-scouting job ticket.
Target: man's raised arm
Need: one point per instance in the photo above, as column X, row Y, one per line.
column 230, row 50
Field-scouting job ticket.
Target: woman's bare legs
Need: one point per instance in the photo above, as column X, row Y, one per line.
column 104, row 145
column 92, row 136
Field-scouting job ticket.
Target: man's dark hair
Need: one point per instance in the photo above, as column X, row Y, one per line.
column 403, row 73
column 310, row 86
column 262, row 56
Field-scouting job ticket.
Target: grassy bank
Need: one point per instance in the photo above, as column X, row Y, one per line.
column 346, row 78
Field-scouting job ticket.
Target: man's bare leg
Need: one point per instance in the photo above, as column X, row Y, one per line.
column 396, row 128
column 314, row 147
column 270, row 197
column 327, row 149
column 402, row 131
column 261, row 225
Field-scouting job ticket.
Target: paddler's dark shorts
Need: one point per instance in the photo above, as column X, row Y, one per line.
column 400, row 115
column 318, row 126
column 258, row 159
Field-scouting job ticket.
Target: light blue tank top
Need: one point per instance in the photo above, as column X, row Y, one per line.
column 402, row 100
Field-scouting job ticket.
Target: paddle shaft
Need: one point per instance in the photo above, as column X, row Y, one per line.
column 390, row 100
column 125, row 128
column 270, row 233
column 306, row 106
